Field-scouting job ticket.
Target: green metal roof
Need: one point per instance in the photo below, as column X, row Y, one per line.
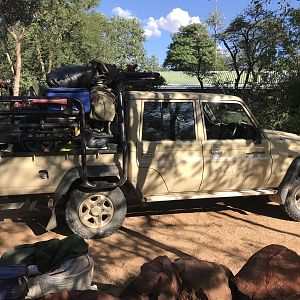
column 215, row 78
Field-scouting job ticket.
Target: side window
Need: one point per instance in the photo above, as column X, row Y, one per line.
column 227, row 121
column 152, row 122
column 168, row 121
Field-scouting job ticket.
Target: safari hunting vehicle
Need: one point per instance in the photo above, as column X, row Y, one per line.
column 160, row 146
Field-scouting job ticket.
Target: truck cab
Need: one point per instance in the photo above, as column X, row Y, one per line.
column 202, row 145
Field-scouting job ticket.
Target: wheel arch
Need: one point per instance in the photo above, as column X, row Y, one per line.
column 72, row 178
column 285, row 186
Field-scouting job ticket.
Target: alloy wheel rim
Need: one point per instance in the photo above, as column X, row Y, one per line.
column 96, row 211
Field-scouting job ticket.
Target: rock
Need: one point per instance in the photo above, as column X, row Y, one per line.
column 271, row 273
column 157, row 280
column 75, row 295
column 130, row 292
column 203, row 280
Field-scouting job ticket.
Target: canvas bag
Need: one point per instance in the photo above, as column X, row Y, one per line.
column 74, row 274
column 103, row 103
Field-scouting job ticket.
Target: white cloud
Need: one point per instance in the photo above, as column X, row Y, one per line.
column 152, row 28
column 171, row 22
column 123, row 13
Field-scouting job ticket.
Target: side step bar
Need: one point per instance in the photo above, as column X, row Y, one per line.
column 204, row 195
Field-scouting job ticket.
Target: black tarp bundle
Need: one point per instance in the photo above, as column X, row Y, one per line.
column 82, row 76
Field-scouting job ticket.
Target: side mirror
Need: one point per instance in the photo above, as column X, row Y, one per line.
column 257, row 136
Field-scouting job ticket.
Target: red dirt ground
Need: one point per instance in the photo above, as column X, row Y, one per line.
column 228, row 232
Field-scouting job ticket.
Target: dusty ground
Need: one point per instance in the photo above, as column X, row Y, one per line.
column 228, row 232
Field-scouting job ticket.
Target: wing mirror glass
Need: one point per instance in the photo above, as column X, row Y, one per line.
column 257, row 136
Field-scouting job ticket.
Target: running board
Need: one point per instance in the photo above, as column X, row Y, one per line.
column 14, row 205
column 205, row 195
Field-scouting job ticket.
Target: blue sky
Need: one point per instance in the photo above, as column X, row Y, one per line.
column 162, row 18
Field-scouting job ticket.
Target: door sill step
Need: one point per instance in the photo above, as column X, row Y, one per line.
column 204, row 195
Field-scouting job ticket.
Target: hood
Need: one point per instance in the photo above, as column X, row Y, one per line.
column 281, row 135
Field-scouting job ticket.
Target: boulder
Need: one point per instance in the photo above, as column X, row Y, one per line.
column 130, row 293
column 157, row 280
column 271, row 273
column 203, row 280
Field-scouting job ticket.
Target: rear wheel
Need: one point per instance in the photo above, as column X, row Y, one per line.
column 95, row 215
column 292, row 203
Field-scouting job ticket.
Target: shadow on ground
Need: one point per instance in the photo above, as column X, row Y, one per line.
column 243, row 205
column 221, row 230
column 37, row 220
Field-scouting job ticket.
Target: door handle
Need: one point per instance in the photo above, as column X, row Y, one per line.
column 216, row 152
column 255, row 152
column 148, row 154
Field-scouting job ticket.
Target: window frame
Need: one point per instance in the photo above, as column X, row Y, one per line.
column 246, row 109
column 196, row 120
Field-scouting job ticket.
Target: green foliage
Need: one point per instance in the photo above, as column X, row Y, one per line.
column 192, row 51
column 68, row 32
column 252, row 40
column 150, row 64
column 18, row 12
column 125, row 38
column 54, row 37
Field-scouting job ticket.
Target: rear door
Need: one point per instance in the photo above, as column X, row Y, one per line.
column 169, row 153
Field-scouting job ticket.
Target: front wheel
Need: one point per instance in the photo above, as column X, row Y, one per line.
column 292, row 203
column 95, row 215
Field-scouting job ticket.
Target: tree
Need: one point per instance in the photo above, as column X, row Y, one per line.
column 252, row 40
column 290, row 56
column 93, row 34
column 66, row 32
column 124, row 40
column 117, row 40
column 150, row 64
column 288, row 70
column 215, row 22
column 191, row 51
column 56, row 35
column 15, row 17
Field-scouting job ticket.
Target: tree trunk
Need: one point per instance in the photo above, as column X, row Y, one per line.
column 201, row 82
column 18, row 67
column 246, row 79
column 50, row 62
column 42, row 64
column 237, row 81
column 18, row 36
column 8, row 57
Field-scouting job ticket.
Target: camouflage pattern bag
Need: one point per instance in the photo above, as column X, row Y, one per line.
column 103, row 104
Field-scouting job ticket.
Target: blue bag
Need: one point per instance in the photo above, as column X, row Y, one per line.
column 13, row 282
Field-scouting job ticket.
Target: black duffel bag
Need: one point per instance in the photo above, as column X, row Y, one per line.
column 71, row 77
column 82, row 76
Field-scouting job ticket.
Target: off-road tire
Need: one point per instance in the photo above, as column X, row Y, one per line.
column 292, row 203
column 74, row 205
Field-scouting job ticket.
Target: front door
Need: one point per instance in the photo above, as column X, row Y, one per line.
column 236, row 156
column 169, row 154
